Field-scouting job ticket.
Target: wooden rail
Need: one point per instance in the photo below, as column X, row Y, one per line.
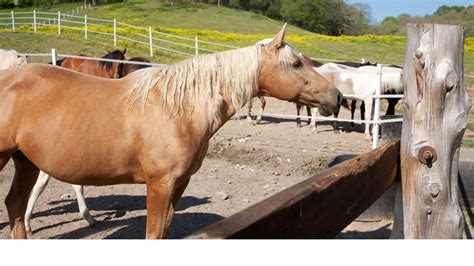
column 319, row 207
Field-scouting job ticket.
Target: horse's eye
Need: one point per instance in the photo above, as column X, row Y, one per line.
column 297, row 64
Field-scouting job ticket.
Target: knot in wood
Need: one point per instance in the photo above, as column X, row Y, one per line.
column 427, row 155
column 435, row 188
column 418, row 53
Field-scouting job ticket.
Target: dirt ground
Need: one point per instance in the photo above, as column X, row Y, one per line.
column 244, row 165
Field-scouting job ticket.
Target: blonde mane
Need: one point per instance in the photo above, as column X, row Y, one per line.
column 202, row 80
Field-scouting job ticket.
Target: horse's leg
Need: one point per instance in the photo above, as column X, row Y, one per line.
column 83, row 210
column 362, row 111
column 159, row 204
column 334, row 125
column 40, row 184
column 308, row 113
column 262, row 107
column 391, row 106
column 353, row 108
column 298, row 119
column 370, row 108
column 16, row 201
column 249, row 111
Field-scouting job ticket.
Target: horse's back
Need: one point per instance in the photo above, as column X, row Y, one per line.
column 47, row 110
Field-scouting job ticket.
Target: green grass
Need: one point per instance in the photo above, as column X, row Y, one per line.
column 209, row 23
column 196, row 16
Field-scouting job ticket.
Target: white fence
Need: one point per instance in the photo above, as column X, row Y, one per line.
column 146, row 37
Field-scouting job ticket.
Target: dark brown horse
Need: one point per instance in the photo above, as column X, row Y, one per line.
column 97, row 68
column 129, row 68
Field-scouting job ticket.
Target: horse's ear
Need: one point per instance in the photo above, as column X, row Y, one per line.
column 278, row 40
column 124, row 51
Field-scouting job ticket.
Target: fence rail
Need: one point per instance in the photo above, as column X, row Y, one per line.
column 170, row 43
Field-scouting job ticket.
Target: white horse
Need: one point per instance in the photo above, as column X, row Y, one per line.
column 41, row 183
column 11, row 58
column 362, row 81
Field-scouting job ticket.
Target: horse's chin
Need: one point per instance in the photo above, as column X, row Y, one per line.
column 324, row 111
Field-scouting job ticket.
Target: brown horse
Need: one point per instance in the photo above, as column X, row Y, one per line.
column 96, row 67
column 151, row 127
column 129, row 68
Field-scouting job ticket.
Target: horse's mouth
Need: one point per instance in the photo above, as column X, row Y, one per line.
column 324, row 110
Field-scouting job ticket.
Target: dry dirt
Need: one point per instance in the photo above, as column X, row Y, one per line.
column 244, row 165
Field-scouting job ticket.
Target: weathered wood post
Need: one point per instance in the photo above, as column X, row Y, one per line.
column 435, row 118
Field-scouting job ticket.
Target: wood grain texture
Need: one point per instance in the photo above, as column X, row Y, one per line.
column 319, row 207
column 435, row 117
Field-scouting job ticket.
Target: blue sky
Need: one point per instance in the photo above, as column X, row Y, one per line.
column 385, row 8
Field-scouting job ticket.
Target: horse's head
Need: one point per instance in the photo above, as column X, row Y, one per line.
column 286, row 75
column 21, row 60
column 115, row 67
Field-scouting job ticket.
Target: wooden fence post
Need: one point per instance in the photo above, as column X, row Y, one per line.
column 85, row 26
column 54, row 57
column 196, row 44
column 13, row 21
column 376, row 117
column 34, row 20
column 115, row 32
column 435, row 118
column 59, row 22
column 151, row 41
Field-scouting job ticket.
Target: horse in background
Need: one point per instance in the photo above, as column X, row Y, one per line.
column 362, row 81
column 97, row 68
column 129, row 68
column 312, row 113
column 11, row 58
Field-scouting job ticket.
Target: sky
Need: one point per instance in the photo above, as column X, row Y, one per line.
column 385, row 8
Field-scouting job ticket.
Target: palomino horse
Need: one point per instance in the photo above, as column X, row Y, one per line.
column 94, row 67
column 11, row 58
column 262, row 98
column 43, row 178
column 150, row 127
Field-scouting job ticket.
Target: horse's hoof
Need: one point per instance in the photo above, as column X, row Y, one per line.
column 249, row 119
column 298, row 125
column 257, row 121
column 368, row 137
column 90, row 220
column 337, row 131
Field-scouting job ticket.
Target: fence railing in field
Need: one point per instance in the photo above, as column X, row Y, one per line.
column 117, row 31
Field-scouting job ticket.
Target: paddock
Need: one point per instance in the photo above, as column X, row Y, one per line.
column 245, row 164
column 119, row 211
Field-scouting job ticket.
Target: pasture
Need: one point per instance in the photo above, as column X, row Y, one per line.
column 264, row 159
